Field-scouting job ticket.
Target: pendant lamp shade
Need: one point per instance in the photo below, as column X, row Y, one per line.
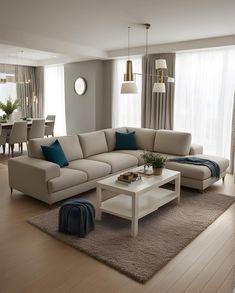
column 160, row 64
column 129, row 88
column 159, row 87
column 170, row 79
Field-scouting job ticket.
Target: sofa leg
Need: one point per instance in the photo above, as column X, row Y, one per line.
column 223, row 178
column 201, row 191
column 11, row 190
column 12, row 150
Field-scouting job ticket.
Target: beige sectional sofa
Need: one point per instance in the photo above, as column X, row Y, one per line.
column 92, row 156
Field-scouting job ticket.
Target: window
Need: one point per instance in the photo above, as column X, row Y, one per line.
column 7, row 90
column 54, row 98
column 204, row 90
column 126, row 109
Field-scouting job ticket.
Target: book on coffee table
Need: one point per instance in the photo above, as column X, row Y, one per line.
column 128, row 178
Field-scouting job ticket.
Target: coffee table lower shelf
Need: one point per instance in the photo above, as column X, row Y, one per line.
column 121, row 205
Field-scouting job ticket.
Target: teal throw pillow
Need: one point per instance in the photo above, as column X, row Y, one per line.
column 55, row 154
column 126, row 141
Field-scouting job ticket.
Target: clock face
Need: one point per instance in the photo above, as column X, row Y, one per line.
column 80, row 86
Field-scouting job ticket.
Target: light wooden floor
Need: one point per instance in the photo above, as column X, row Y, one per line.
column 32, row 261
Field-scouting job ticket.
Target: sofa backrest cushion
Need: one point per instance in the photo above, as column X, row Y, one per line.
column 93, row 143
column 55, row 154
column 70, row 145
column 145, row 137
column 172, row 142
column 110, row 135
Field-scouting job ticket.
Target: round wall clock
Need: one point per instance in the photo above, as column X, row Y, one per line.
column 80, row 86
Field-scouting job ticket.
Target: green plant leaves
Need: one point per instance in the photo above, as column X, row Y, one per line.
column 154, row 160
column 9, row 106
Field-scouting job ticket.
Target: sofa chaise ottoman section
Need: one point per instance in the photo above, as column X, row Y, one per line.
column 93, row 169
column 199, row 177
column 117, row 161
column 68, row 178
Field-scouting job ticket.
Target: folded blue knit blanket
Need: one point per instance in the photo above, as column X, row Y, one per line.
column 213, row 166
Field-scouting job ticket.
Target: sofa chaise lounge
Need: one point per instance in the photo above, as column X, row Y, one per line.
column 92, row 156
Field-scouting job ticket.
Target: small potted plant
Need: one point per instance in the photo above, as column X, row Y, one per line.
column 156, row 161
column 9, row 107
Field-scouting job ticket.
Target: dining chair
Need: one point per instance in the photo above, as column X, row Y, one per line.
column 16, row 115
column 2, row 139
column 18, row 135
column 49, row 127
column 37, row 129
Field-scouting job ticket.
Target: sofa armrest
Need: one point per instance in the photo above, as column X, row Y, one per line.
column 30, row 175
column 196, row 149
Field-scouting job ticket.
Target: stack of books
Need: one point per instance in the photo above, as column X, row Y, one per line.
column 128, row 177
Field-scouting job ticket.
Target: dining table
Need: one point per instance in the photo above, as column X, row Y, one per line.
column 8, row 125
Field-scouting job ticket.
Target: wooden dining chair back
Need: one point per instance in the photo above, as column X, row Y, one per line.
column 49, row 127
column 37, row 129
column 18, row 135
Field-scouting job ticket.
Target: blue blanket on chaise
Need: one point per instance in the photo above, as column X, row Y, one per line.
column 213, row 166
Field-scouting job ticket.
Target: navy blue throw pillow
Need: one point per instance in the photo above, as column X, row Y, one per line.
column 55, row 154
column 126, row 141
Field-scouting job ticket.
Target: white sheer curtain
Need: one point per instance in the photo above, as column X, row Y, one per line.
column 204, row 89
column 54, row 96
column 126, row 108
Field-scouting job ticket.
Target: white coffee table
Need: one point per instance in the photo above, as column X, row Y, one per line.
column 137, row 199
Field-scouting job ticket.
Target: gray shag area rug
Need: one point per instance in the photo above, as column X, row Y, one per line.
column 162, row 234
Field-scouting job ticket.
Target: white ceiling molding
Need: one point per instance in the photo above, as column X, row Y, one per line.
column 11, row 54
column 71, row 50
column 178, row 46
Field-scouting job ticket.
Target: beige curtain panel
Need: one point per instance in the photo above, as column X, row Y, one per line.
column 39, row 78
column 157, row 109
column 30, row 87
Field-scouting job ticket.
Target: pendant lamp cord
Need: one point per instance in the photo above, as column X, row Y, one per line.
column 147, row 27
column 128, row 41
column 147, row 40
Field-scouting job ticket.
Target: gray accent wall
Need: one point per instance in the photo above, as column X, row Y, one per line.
column 91, row 111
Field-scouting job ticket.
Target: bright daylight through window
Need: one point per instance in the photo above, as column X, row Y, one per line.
column 126, row 108
column 204, row 90
column 54, row 97
column 7, row 90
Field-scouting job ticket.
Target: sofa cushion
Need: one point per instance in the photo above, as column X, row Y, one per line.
column 126, row 141
column 172, row 142
column 68, row 178
column 54, row 153
column 198, row 172
column 110, row 135
column 70, row 145
column 135, row 153
column 93, row 143
column 145, row 137
column 93, row 169
column 117, row 161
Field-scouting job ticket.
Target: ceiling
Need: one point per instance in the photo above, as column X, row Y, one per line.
column 80, row 30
